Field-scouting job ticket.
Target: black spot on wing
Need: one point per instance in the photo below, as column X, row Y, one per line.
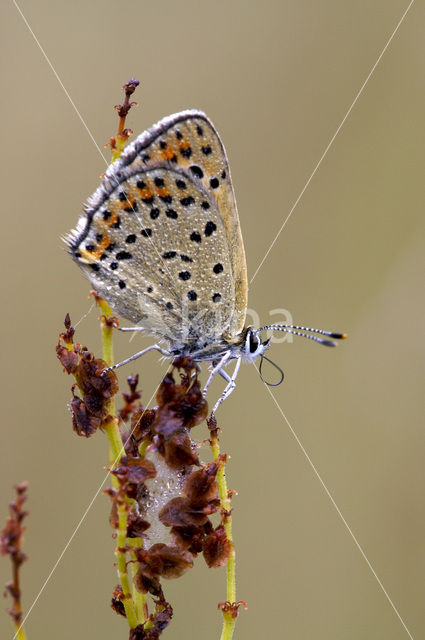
column 210, row 227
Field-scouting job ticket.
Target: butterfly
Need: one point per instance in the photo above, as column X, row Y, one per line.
column 160, row 241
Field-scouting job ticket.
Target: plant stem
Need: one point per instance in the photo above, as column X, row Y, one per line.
column 20, row 633
column 122, row 567
column 116, row 450
column 17, row 607
column 107, row 329
column 229, row 620
column 112, row 431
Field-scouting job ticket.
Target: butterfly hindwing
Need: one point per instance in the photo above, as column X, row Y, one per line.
column 157, row 250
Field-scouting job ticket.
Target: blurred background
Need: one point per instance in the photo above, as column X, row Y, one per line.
column 276, row 78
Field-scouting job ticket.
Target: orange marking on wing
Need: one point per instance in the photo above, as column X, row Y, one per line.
column 127, row 204
column 168, row 153
column 184, row 145
column 144, row 194
column 103, row 244
column 112, row 220
column 162, row 192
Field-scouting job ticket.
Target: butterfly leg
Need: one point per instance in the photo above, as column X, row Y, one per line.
column 231, row 384
column 216, row 368
column 153, row 347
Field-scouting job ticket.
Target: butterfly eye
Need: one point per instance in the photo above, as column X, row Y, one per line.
column 254, row 343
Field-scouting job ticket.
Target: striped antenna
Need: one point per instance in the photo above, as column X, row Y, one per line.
column 297, row 330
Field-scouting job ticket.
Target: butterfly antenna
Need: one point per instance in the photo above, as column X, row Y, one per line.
column 297, row 330
column 270, row 384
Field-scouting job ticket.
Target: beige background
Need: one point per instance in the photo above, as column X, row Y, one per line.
column 276, row 78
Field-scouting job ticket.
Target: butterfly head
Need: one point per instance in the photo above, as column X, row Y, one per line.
column 252, row 345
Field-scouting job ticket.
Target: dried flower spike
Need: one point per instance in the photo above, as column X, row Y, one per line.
column 11, row 538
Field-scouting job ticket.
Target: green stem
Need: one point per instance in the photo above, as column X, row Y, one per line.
column 229, row 620
column 122, row 567
column 20, row 633
column 140, row 602
column 120, row 142
column 116, row 449
column 112, row 431
column 115, row 452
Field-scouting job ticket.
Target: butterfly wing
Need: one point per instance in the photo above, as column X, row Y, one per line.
column 161, row 239
column 156, row 250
